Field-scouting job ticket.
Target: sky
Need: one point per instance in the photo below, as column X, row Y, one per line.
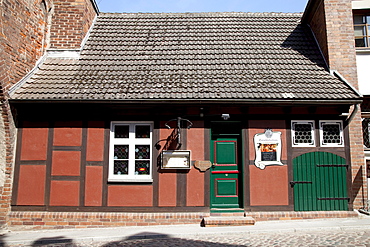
column 201, row 5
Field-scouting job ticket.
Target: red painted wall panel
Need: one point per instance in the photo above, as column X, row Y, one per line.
column 167, row 189
column 95, row 141
column 31, row 185
column 34, row 143
column 66, row 163
column 195, row 178
column 64, row 193
column 269, row 187
column 93, row 186
column 130, row 196
column 68, row 134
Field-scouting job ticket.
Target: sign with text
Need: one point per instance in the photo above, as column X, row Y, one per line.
column 268, row 148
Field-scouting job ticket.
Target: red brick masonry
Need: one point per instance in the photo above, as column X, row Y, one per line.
column 57, row 220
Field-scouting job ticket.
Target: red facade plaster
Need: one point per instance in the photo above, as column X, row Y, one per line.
column 34, row 143
column 31, row 185
column 66, row 163
column 94, row 186
column 268, row 187
column 95, row 141
column 67, row 136
column 64, row 193
column 130, row 196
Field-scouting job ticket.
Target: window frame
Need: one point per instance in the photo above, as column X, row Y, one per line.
column 366, row 26
column 312, row 123
column 340, row 123
column 131, row 141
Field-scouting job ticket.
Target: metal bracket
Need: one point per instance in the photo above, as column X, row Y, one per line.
column 178, row 127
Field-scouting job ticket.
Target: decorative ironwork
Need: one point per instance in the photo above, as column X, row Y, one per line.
column 142, row 167
column 121, row 152
column 366, row 131
column 142, row 152
column 331, row 133
column 303, row 133
column 120, row 167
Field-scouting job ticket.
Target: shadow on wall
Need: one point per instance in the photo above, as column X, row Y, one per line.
column 358, row 187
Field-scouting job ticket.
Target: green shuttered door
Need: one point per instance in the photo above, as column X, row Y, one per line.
column 320, row 182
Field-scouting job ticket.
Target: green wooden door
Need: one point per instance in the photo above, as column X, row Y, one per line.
column 225, row 173
column 320, row 182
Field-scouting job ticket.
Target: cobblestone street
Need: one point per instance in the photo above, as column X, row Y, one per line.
column 312, row 238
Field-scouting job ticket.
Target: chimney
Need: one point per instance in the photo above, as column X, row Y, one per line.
column 71, row 22
column 332, row 24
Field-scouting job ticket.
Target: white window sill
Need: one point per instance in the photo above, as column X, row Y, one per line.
column 130, row 180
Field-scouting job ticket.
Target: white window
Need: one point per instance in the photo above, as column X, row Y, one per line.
column 130, row 153
column 331, row 133
column 303, row 134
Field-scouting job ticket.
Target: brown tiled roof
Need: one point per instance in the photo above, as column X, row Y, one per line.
column 191, row 56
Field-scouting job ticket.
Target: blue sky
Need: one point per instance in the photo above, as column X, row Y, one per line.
column 201, row 5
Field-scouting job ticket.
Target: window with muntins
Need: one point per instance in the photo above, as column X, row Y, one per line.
column 303, row 133
column 362, row 30
column 130, row 154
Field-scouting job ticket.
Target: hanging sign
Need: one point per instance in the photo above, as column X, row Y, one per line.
column 268, row 148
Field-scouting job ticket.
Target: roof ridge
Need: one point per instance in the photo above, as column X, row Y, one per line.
column 295, row 14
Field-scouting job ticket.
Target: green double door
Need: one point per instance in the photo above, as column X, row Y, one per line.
column 226, row 182
column 320, row 182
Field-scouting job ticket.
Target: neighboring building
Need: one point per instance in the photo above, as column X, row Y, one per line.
column 27, row 29
column 169, row 117
column 361, row 21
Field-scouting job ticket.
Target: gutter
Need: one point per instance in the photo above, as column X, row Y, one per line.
column 340, row 77
column 192, row 101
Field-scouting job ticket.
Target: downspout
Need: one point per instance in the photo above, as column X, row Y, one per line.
column 353, row 113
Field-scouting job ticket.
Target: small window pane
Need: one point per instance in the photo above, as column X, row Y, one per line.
column 142, row 131
column 331, row 134
column 121, row 131
column 368, row 19
column 360, row 31
column 142, row 167
column 120, row 167
column 121, row 152
column 360, row 42
column 142, row 152
column 358, row 19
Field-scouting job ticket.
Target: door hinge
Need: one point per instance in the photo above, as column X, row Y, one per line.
column 292, row 183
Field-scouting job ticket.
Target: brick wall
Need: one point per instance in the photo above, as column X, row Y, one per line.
column 331, row 21
column 23, row 29
column 70, row 23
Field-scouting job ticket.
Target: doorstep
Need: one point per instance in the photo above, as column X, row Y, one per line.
column 214, row 221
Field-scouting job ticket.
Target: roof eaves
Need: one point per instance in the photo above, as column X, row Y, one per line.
column 198, row 101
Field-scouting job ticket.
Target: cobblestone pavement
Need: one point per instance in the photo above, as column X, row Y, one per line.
column 313, row 238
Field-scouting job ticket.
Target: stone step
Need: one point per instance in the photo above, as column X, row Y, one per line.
column 227, row 221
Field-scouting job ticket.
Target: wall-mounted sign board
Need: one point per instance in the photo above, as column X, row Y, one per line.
column 176, row 159
column 268, row 148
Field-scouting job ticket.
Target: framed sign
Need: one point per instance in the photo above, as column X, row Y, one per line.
column 268, row 148
column 176, row 159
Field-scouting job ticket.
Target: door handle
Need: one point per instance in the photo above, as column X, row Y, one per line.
column 292, row 183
